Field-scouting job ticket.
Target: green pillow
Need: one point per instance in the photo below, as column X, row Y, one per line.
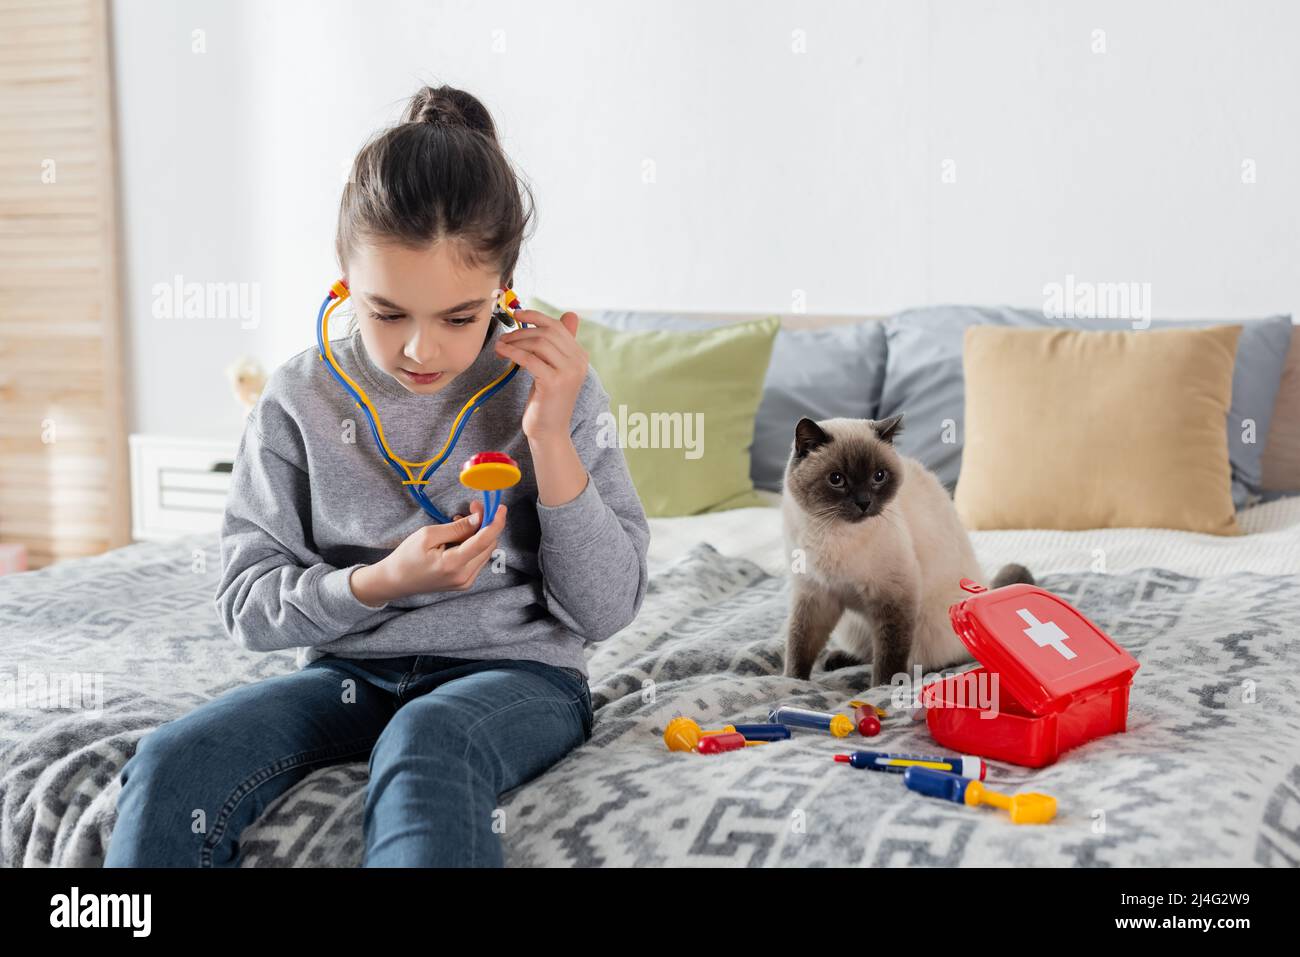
column 697, row 392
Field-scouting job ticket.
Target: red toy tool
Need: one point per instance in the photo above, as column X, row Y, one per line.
column 866, row 718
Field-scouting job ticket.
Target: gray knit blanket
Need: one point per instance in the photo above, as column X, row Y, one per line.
column 1208, row 773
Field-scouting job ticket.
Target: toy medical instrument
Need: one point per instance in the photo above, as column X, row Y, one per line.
column 1024, row 808
column 489, row 473
column 837, row 724
column 726, row 741
column 966, row 767
column 866, row 717
column 416, row 475
column 683, row 734
column 762, row 732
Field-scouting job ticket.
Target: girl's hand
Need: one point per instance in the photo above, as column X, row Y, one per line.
column 550, row 352
column 438, row 557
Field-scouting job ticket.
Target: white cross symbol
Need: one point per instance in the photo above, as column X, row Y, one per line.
column 1044, row 633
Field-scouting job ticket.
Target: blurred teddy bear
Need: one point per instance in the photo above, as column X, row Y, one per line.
column 246, row 380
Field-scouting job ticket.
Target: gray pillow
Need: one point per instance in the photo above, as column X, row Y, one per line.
column 821, row 373
column 923, row 380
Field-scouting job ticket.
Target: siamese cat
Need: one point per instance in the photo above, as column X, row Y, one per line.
column 880, row 552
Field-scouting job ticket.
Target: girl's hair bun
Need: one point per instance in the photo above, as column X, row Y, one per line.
column 439, row 174
column 448, row 107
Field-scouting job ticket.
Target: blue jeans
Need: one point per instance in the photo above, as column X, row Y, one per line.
column 446, row 737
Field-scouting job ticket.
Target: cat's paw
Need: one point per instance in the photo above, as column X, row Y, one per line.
column 794, row 669
column 884, row 671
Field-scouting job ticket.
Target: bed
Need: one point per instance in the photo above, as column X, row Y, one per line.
column 1208, row 773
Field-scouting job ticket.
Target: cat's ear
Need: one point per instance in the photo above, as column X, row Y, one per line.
column 887, row 429
column 808, row 435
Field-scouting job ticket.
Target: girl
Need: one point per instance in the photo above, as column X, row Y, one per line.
column 450, row 654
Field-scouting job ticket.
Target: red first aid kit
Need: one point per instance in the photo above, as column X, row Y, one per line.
column 1060, row 680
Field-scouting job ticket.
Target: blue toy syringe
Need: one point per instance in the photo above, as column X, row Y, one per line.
column 963, row 766
column 837, row 724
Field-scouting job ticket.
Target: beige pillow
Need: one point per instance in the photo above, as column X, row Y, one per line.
column 1071, row 429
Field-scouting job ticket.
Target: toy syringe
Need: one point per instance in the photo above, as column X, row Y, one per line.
column 1024, row 808
column 963, row 766
column 837, row 724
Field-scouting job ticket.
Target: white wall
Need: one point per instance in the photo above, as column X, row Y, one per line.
column 775, row 170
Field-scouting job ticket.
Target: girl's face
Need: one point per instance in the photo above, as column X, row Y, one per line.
column 420, row 312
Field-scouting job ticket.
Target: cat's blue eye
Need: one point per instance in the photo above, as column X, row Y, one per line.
column 880, row 476
column 836, row 480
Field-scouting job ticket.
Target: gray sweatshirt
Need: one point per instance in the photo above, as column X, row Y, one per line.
column 311, row 500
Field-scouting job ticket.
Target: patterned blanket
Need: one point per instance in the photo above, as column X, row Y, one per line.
column 1208, row 773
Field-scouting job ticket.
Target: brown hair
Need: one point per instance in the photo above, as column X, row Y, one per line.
column 438, row 174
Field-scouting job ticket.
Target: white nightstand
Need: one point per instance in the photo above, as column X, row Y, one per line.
column 178, row 486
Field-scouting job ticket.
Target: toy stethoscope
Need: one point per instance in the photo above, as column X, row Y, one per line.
column 487, row 472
